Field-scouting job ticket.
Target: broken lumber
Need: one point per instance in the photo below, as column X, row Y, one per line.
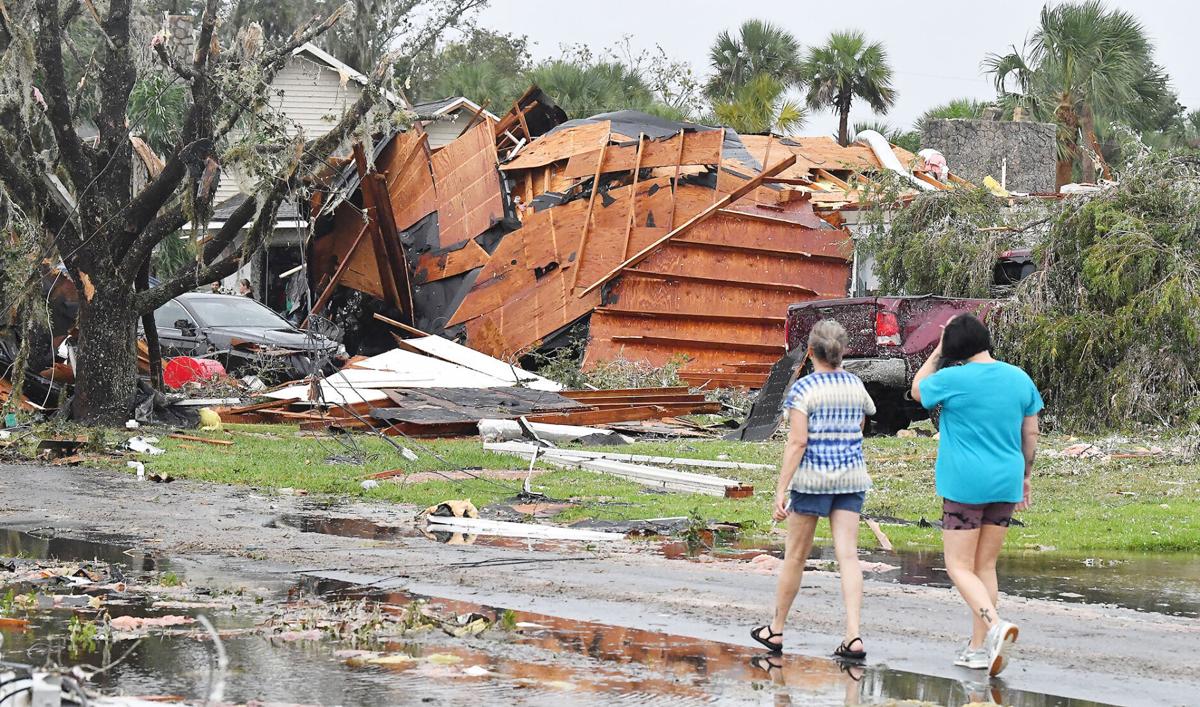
column 268, row 405
column 528, row 449
column 480, row 526
column 205, row 440
column 659, row 477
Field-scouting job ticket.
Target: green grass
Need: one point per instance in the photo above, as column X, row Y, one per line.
column 1080, row 505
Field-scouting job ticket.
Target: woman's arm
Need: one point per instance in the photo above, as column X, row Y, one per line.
column 1029, row 442
column 797, row 442
column 927, row 369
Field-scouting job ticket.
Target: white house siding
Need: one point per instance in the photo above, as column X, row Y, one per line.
column 443, row 132
column 313, row 99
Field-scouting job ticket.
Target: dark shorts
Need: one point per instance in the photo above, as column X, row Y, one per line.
column 971, row 516
column 821, row 504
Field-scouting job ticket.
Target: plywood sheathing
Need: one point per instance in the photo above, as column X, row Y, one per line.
column 561, row 145
column 469, row 200
column 719, row 293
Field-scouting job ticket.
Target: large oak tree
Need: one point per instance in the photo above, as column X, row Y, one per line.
column 72, row 197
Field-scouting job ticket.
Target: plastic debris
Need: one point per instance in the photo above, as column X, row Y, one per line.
column 209, row 419
column 369, row 484
column 132, row 424
column 144, row 445
column 139, row 467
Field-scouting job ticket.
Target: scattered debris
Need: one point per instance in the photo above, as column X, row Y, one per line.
column 528, row 449
column 479, row 526
column 144, row 445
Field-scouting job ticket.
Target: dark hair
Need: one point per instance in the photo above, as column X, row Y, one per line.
column 965, row 336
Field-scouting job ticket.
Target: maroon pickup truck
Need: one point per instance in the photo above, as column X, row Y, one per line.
column 890, row 337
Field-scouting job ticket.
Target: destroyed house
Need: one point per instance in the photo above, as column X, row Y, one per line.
column 651, row 238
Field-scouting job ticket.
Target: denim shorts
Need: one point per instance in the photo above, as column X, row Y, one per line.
column 821, row 504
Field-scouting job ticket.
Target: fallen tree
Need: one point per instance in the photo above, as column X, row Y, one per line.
column 1107, row 326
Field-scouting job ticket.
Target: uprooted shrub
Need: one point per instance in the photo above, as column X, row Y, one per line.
column 947, row 243
column 1108, row 325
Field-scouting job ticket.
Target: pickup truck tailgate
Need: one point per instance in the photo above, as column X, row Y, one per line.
column 856, row 314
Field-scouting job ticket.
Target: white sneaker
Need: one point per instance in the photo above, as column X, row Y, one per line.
column 973, row 658
column 1000, row 638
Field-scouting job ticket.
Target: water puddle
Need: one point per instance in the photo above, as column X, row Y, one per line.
column 327, row 642
column 1164, row 584
column 366, row 529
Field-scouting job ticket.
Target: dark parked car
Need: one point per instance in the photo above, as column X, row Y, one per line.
column 244, row 335
column 890, row 337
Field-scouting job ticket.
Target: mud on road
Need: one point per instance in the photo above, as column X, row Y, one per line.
column 611, row 609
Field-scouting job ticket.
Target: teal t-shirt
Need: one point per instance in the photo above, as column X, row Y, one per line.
column 979, row 453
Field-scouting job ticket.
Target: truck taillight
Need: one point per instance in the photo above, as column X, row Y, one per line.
column 887, row 329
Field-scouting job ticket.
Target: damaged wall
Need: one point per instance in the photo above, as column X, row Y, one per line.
column 975, row 149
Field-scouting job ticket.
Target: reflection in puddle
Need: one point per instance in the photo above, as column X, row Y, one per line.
column 1165, row 584
column 603, row 664
column 537, row 660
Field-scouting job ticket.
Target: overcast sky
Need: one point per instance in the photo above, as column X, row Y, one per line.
column 935, row 46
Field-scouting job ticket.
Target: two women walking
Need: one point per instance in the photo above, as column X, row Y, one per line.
column 988, row 437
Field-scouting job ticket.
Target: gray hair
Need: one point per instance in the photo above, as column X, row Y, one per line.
column 828, row 341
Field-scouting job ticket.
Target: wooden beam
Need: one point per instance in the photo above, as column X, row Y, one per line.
column 726, row 282
column 693, row 221
column 587, row 216
column 637, row 166
column 521, row 117
column 694, row 316
column 400, row 325
column 739, row 248
column 393, row 247
column 337, row 276
column 390, row 294
column 836, row 180
column 675, row 180
column 699, row 343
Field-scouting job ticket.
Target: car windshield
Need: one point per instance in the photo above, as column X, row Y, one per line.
column 235, row 311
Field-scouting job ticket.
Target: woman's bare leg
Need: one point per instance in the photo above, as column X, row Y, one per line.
column 991, row 540
column 795, row 554
column 960, row 547
column 844, row 525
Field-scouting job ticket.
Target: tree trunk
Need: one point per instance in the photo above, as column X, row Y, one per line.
column 1088, row 122
column 843, row 125
column 1068, row 138
column 153, row 347
column 106, row 370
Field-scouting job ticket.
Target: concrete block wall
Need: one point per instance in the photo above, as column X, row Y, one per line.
column 975, row 149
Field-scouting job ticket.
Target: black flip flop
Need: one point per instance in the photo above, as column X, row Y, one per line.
column 756, row 634
column 767, row 663
column 849, row 666
column 843, row 650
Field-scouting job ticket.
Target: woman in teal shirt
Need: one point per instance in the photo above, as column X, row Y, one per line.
column 988, row 437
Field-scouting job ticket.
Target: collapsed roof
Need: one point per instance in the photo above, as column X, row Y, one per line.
column 666, row 237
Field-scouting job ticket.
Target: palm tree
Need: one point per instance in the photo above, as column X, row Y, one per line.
column 759, row 47
column 956, row 108
column 480, row 81
column 582, row 89
column 1084, row 64
column 760, row 106
column 844, row 68
column 908, row 139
